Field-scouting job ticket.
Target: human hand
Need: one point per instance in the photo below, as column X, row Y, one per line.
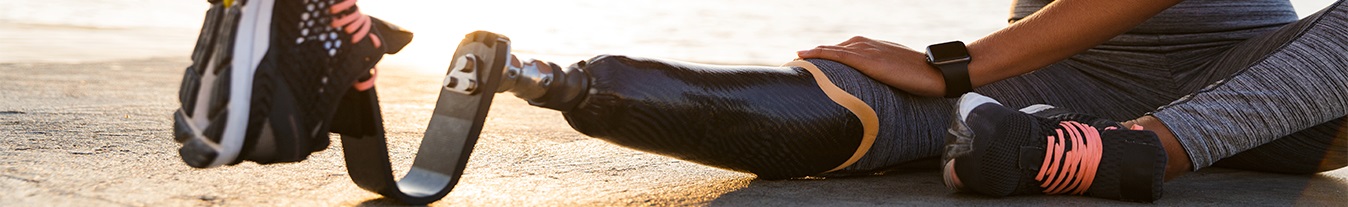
column 890, row 63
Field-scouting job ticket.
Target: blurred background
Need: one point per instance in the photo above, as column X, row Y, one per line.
column 763, row 32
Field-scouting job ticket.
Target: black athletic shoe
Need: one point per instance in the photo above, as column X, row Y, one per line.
column 266, row 76
column 998, row 151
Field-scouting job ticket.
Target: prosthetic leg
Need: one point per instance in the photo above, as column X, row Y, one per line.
column 806, row 118
column 776, row 122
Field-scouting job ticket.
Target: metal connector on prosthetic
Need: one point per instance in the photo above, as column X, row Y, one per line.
column 543, row 84
column 463, row 77
column 529, row 79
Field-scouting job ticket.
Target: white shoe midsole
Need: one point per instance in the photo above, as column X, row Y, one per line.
column 251, row 41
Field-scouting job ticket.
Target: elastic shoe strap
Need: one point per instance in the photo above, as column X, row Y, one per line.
column 1142, row 162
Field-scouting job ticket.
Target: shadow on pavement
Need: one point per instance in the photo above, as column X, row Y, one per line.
column 1228, row 186
column 1213, row 186
column 382, row 201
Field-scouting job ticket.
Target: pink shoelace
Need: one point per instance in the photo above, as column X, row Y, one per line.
column 355, row 23
column 1072, row 172
column 358, row 26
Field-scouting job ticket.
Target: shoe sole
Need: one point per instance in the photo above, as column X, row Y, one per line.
column 210, row 126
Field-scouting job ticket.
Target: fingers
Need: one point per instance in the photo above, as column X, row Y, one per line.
column 837, row 53
column 856, row 39
column 868, row 42
column 855, row 48
column 860, row 40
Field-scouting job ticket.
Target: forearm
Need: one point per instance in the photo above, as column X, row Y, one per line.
column 1056, row 32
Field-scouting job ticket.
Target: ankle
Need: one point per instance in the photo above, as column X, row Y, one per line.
column 1178, row 161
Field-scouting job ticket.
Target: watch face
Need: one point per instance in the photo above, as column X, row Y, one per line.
column 945, row 52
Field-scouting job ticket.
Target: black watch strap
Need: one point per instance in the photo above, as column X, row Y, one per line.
column 956, row 76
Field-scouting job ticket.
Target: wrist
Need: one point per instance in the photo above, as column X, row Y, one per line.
column 951, row 59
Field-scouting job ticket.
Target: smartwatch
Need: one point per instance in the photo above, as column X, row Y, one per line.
column 952, row 59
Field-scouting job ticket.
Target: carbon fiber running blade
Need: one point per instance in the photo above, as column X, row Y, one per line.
column 465, row 98
column 459, row 117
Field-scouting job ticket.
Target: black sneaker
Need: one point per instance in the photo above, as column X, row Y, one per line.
column 266, row 76
column 998, row 151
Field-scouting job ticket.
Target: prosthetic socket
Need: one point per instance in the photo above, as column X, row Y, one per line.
column 808, row 118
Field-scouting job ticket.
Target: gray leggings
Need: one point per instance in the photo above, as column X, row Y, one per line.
column 1269, row 97
column 1242, row 84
